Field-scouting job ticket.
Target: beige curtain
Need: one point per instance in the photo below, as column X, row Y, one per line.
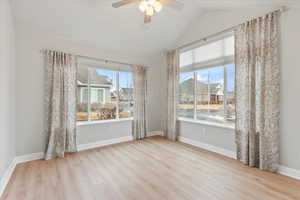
column 140, row 103
column 257, row 92
column 173, row 78
column 61, row 69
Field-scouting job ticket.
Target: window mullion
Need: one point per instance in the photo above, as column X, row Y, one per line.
column 208, row 93
column 225, row 92
column 89, row 96
column 117, row 106
column 195, row 95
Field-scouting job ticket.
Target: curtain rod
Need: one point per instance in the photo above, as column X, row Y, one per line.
column 282, row 9
column 101, row 60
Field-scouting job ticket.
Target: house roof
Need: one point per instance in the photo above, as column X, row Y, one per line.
column 95, row 78
column 127, row 90
column 202, row 88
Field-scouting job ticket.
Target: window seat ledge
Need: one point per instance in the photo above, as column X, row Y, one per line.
column 207, row 123
column 85, row 123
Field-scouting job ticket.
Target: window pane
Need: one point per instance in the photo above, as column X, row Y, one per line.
column 216, row 92
column 102, row 94
column 230, row 111
column 210, row 97
column 186, row 95
column 125, row 94
column 82, row 93
column 202, row 94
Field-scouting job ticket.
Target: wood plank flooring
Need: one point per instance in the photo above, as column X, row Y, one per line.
column 150, row 169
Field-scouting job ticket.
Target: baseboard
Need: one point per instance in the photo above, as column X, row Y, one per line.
column 208, row 147
column 81, row 147
column 102, row 143
column 7, row 175
column 293, row 173
column 29, row 157
column 40, row 155
column 155, row 133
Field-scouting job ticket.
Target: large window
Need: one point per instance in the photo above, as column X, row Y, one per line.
column 206, row 84
column 103, row 94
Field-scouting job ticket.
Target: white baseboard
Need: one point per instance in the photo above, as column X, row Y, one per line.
column 155, row 133
column 40, row 155
column 7, row 175
column 293, row 173
column 208, row 147
column 29, row 157
column 102, row 143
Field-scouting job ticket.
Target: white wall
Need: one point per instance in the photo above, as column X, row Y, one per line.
column 7, row 93
column 290, row 83
column 30, row 90
column 96, row 132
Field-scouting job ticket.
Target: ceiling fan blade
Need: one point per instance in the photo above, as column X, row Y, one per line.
column 174, row 4
column 147, row 19
column 123, row 3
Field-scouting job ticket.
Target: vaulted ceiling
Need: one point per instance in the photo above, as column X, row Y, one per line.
column 95, row 22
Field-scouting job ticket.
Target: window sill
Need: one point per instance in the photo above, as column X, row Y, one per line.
column 86, row 123
column 207, row 123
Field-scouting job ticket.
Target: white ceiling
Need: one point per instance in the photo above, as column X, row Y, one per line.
column 95, row 22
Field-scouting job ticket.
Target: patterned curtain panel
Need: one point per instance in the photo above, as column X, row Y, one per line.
column 173, row 78
column 258, row 92
column 140, row 103
column 61, row 69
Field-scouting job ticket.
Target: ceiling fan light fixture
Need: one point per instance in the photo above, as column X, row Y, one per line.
column 143, row 6
column 149, row 11
column 157, row 6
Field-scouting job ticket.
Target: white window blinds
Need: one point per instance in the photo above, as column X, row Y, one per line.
column 212, row 53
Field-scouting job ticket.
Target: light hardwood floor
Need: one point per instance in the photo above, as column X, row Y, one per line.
column 153, row 168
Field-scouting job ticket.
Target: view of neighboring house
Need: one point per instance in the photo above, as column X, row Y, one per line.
column 100, row 86
column 205, row 92
column 126, row 94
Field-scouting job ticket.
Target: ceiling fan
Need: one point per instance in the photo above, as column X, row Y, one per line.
column 150, row 7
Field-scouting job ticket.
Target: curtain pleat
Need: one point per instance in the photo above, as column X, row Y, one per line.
column 258, row 92
column 60, row 100
column 140, row 103
column 173, row 81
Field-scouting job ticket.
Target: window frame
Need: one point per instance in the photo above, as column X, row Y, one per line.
column 194, row 67
column 117, row 76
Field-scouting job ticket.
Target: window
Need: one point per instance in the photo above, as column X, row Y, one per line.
column 97, row 95
column 206, row 83
column 186, row 95
column 125, row 94
column 103, row 94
